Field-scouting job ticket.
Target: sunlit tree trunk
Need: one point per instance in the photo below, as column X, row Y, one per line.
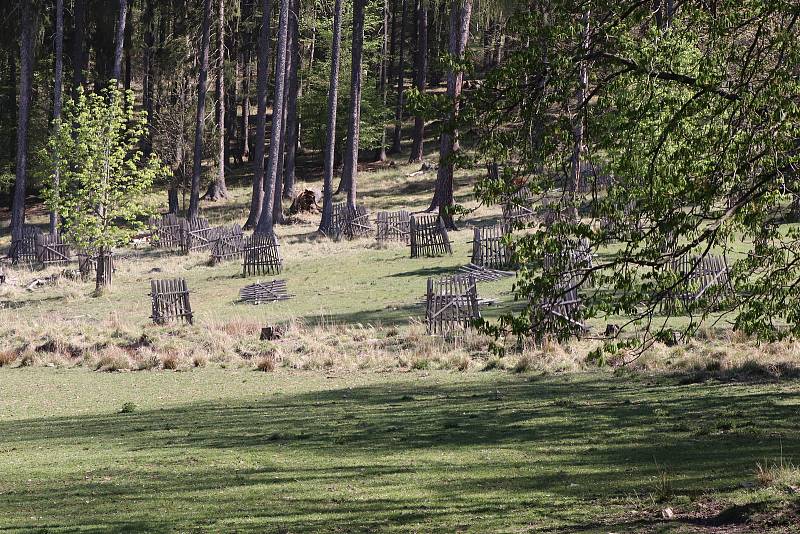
column 330, row 137
column 57, row 93
column 398, row 110
column 262, row 73
column 421, row 72
column 24, row 104
column 197, row 167
column 218, row 188
column 119, row 40
column 460, row 15
column 293, row 120
column 350, row 166
column 266, row 221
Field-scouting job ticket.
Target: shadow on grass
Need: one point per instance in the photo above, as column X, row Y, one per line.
column 494, row 454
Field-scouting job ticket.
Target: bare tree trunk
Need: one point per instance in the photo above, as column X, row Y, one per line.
column 262, row 73
column 218, row 188
column 266, row 222
column 277, row 205
column 197, row 167
column 461, row 12
column 147, row 81
column 418, row 146
column 80, row 58
column 398, row 111
column 383, row 84
column 119, row 41
column 330, row 138
column 57, row 93
column 25, row 93
column 350, row 165
column 293, row 121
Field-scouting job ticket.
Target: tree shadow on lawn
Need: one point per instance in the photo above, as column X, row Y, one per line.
column 506, row 451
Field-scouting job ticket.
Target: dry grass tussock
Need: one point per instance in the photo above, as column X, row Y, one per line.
column 112, row 345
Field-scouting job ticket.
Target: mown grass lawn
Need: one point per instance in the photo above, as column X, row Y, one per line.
column 225, row 450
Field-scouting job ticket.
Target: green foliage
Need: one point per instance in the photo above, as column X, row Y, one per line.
column 103, row 170
column 696, row 122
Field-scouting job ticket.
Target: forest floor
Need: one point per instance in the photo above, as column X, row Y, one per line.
column 238, row 451
column 364, row 422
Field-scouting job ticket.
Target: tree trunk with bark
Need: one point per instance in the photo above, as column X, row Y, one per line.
column 202, row 82
column 418, row 145
column 266, row 221
column 293, row 121
column 57, row 95
column 277, row 204
column 148, row 82
column 330, row 138
column 461, row 12
column 218, row 188
column 119, row 41
column 80, row 59
column 350, row 165
column 262, row 73
column 23, row 116
column 383, row 80
column 398, row 110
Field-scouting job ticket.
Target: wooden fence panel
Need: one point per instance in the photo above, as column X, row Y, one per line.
column 262, row 255
column 170, row 300
column 428, row 236
column 451, row 304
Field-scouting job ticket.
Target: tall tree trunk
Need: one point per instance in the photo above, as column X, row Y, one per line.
column 24, row 104
column 218, row 189
column 330, row 137
column 461, row 12
column 262, row 73
column 418, row 146
column 57, row 92
column 383, row 84
column 398, row 111
column 277, row 204
column 148, row 82
column 80, row 59
column 119, row 41
column 350, row 164
column 266, row 221
column 246, row 45
column 293, row 121
column 197, row 167
column 244, row 147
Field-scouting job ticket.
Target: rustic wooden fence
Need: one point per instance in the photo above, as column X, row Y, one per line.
column 428, row 236
column 393, row 226
column 559, row 314
column 349, row 224
column 265, row 292
column 170, row 301
column 23, row 250
column 50, row 250
column 166, row 231
column 451, row 304
column 489, row 248
column 196, row 235
column 262, row 255
column 699, row 279
column 227, row 243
